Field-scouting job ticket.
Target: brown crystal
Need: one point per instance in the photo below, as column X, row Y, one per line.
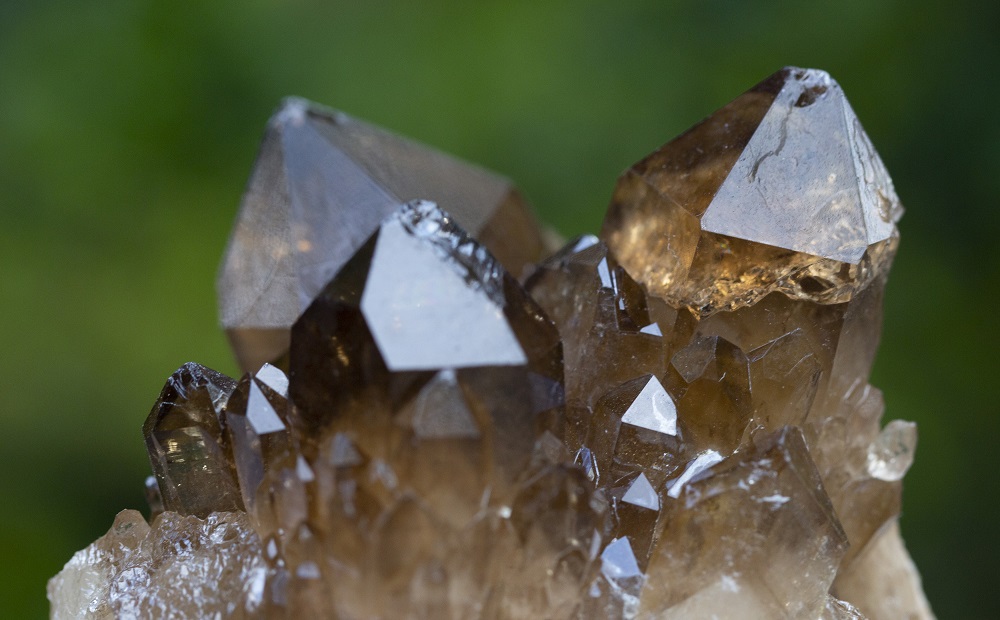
column 257, row 428
column 717, row 450
column 608, row 326
column 759, row 530
column 321, row 184
column 186, row 446
column 779, row 190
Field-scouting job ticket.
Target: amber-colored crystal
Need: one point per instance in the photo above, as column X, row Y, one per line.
column 759, row 530
column 610, row 330
column 779, row 190
column 673, row 420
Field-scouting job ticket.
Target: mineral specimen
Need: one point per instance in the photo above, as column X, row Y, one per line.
column 670, row 421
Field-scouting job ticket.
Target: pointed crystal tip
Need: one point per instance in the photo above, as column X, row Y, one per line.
column 779, row 190
column 321, row 185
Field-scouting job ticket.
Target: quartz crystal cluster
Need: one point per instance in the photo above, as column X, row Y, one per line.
column 669, row 420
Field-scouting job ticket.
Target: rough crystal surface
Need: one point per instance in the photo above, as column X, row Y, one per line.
column 181, row 567
column 673, row 420
column 321, row 184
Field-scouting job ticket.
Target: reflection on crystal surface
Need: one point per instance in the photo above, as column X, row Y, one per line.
column 321, row 185
column 779, row 190
column 257, row 427
column 759, row 521
column 671, row 420
column 186, row 446
column 182, row 567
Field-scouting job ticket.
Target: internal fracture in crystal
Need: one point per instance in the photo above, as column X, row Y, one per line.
column 670, row 420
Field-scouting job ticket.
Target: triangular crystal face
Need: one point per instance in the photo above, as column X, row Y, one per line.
column 618, row 561
column 321, row 184
column 420, row 300
column 427, row 313
column 274, row 378
column 261, row 414
column 342, row 452
column 780, row 190
column 641, row 493
column 439, row 411
column 808, row 180
column 653, row 409
column 257, row 428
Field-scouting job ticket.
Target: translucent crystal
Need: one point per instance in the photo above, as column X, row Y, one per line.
column 756, row 527
column 607, row 324
column 891, row 454
column 779, row 190
column 181, row 567
column 423, row 327
column 321, row 184
column 257, row 427
column 634, row 429
column 186, row 446
column 717, row 451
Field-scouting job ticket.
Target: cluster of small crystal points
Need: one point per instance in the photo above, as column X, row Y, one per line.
column 670, row 420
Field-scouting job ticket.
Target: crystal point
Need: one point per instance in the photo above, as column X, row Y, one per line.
column 258, row 428
column 780, row 190
column 710, row 540
column 671, row 420
column 321, row 185
column 186, row 445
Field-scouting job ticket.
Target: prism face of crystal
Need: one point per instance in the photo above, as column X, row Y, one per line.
column 258, row 428
column 611, row 331
column 424, row 332
column 780, row 190
column 186, row 446
column 758, row 524
column 320, row 187
column 634, row 429
column 407, row 273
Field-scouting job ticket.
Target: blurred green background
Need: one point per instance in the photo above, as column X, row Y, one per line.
column 128, row 129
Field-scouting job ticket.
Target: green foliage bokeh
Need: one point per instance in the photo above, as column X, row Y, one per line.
column 128, row 128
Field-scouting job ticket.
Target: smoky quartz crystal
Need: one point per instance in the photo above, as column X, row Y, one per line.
column 669, row 420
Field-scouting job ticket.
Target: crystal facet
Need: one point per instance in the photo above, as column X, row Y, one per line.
column 186, row 446
column 321, row 184
column 673, row 420
column 779, row 190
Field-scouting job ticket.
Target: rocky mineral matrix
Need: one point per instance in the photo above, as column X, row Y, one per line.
column 672, row 420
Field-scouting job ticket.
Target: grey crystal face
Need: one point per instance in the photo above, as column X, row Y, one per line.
column 830, row 198
column 423, row 311
column 641, row 493
column 322, row 183
column 440, row 410
column 653, row 409
column 618, row 561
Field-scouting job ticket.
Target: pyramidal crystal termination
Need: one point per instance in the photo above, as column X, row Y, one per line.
column 669, row 420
